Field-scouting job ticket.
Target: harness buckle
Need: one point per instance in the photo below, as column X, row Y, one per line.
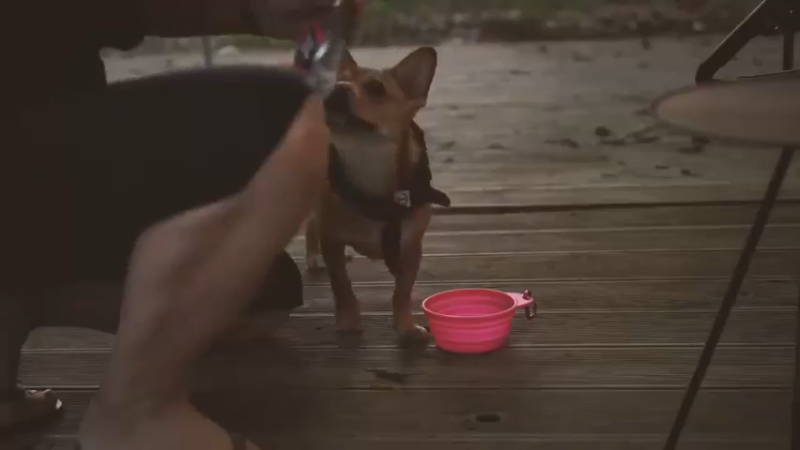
column 403, row 198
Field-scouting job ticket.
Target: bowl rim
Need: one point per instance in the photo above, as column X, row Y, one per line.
column 427, row 310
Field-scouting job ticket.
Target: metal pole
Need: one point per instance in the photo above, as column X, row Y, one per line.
column 796, row 403
column 208, row 51
column 739, row 273
column 788, row 64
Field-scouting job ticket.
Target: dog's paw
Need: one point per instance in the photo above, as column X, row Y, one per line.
column 315, row 263
column 416, row 336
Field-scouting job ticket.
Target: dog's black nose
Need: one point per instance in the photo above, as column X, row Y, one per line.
column 339, row 100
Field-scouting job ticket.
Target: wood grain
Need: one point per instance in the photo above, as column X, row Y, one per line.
column 617, row 239
column 615, row 218
column 581, row 265
column 626, row 301
column 481, row 442
column 598, row 328
column 513, row 368
column 571, row 295
column 287, row 414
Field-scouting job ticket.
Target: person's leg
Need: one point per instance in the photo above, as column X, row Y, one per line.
column 192, row 273
column 97, row 306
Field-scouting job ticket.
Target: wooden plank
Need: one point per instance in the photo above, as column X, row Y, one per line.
column 464, row 442
column 660, row 216
column 587, row 265
column 287, row 413
column 515, row 368
column 490, row 191
column 617, row 239
column 582, row 328
column 571, row 295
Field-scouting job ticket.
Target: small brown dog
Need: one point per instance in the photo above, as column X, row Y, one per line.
column 379, row 197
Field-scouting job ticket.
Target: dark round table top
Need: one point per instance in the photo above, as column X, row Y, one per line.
column 761, row 110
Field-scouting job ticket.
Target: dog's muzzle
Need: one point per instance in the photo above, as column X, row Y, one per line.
column 338, row 102
column 339, row 111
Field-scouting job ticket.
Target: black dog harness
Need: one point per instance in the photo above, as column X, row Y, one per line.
column 413, row 191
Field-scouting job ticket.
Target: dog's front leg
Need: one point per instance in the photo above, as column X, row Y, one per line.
column 408, row 332
column 347, row 310
column 314, row 260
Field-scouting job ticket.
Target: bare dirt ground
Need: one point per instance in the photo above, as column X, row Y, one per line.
column 518, row 123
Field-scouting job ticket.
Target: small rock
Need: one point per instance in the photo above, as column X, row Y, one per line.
column 662, row 167
column 228, row 50
column 519, row 72
column 642, row 112
column 543, row 48
column 447, row 144
column 602, row 131
column 580, row 57
column 496, row 146
column 613, row 141
column 691, row 149
column 688, row 173
column 449, row 160
column 566, row 142
column 466, row 116
column 394, row 377
column 698, row 26
column 700, row 140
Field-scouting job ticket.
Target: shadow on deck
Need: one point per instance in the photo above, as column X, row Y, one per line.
column 626, row 301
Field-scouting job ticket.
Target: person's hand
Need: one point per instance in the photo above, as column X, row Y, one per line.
column 287, row 19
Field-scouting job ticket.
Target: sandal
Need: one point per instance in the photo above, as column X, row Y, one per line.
column 238, row 442
column 21, row 408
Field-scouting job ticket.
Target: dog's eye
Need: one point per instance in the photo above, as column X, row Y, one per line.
column 374, row 89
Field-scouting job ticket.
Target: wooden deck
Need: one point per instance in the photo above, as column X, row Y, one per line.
column 627, row 297
column 626, row 300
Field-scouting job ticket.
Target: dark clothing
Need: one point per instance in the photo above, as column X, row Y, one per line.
column 52, row 48
column 90, row 171
column 85, row 167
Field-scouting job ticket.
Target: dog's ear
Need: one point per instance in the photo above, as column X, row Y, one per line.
column 347, row 66
column 414, row 74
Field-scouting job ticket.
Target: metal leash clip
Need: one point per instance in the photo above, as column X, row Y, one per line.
column 318, row 53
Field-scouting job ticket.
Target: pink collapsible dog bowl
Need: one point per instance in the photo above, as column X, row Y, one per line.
column 474, row 320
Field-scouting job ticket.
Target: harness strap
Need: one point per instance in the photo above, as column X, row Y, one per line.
column 413, row 190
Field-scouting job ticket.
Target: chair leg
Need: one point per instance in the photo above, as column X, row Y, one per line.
column 754, row 25
column 732, row 292
column 796, row 402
